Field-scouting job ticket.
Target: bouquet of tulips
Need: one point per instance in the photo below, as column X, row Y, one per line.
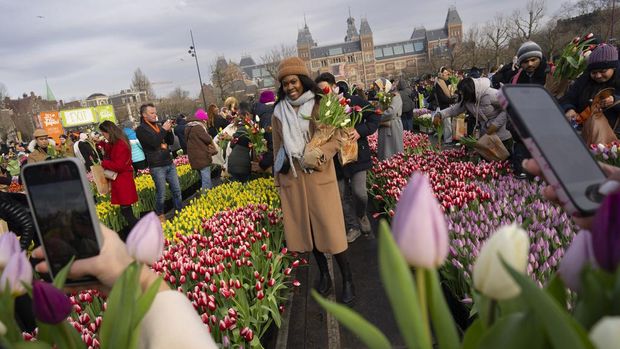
column 251, row 129
column 574, row 57
column 608, row 154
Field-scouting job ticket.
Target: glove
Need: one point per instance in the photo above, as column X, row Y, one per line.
column 491, row 129
column 437, row 119
column 313, row 158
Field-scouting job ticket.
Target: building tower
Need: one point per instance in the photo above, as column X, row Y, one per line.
column 368, row 53
column 305, row 43
column 454, row 27
column 352, row 34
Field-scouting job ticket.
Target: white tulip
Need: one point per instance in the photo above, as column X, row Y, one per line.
column 605, row 334
column 490, row 277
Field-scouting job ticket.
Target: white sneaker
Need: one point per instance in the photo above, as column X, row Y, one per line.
column 353, row 234
column 365, row 225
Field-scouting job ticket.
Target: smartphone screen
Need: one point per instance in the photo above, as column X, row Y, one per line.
column 60, row 203
column 539, row 119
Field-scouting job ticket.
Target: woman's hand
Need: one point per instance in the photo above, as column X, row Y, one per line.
column 313, row 158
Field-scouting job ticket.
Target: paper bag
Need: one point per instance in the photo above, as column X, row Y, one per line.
column 348, row 152
column 101, row 182
column 491, row 148
column 459, row 128
column 321, row 136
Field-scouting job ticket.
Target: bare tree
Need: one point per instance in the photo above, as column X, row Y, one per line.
column 177, row 102
column 140, row 82
column 3, row 94
column 473, row 47
column 528, row 22
column 272, row 58
column 225, row 77
column 497, row 36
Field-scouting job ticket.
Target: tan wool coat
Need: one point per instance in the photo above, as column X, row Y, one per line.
column 311, row 202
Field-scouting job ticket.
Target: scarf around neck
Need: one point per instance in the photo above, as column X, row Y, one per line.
column 295, row 125
column 444, row 87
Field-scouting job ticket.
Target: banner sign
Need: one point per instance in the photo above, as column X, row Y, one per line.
column 105, row 112
column 87, row 116
column 50, row 122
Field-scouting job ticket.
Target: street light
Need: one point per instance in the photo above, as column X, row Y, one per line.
column 192, row 51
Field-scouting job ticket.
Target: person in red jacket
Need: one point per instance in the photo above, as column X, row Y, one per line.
column 118, row 159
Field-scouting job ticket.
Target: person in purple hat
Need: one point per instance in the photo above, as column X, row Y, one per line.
column 264, row 110
column 601, row 73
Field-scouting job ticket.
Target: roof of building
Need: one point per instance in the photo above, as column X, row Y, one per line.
column 352, row 33
column 436, row 34
column 246, row 61
column 453, row 16
column 336, row 49
column 305, row 37
column 365, row 27
column 96, row 95
column 399, row 49
column 418, row 33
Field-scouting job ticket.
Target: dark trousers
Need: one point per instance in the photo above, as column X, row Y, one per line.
column 407, row 119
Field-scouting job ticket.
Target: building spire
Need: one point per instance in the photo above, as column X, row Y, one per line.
column 49, row 94
column 305, row 23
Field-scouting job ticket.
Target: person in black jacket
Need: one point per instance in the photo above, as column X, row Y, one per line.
column 179, row 131
column 156, row 142
column 264, row 110
column 352, row 176
column 406, row 94
column 442, row 98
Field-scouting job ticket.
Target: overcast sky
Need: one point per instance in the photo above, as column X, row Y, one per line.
column 87, row 46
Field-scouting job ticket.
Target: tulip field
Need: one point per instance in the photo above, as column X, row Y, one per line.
column 478, row 197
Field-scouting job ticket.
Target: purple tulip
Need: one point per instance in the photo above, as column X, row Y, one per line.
column 576, row 257
column 605, row 236
column 9, row 245
column 50, row 305
column 17, row 272
column 419, row 225
column 145, row 242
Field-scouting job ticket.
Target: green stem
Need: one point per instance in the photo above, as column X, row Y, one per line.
column 421, row 285
column 492, row 306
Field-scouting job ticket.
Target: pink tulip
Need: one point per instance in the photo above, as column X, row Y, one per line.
column 419, row 225
column 145, row 242
column 9, row 245
column 17, row 272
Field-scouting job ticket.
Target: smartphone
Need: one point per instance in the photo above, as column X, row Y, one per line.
column 64, row 213
column 563, row 157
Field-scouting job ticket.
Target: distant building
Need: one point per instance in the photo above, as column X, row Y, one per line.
column 96, row 99
column 25, row 112
column 259, row 73
column 127, row 104
column 360, row 60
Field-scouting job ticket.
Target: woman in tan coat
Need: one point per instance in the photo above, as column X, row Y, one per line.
column 306, row 178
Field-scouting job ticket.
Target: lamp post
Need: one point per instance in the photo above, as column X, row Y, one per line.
column 192, row 51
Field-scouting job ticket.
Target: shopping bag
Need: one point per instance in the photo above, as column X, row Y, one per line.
column 596, row 130
column 459, row 127
column 491, row 148
column 103, row 187
column 348, row 153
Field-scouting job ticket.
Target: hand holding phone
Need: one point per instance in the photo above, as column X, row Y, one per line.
column 64, row 213
column 564, row 159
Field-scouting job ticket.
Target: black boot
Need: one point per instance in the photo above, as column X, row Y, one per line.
column 325, row 280
column 348, row 291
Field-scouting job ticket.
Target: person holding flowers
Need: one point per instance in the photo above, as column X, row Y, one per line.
column 306, row 177
column 390, row 139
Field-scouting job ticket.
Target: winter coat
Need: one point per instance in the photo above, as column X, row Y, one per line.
column 179, row 131
column 37, row 155
column 539, row 77
column 439, row 99
column 390, row 138
column 311, row 201
column 486, row 109
column 239, row 159
column 118, row 159
column 405, row 94
column 137, row 154
column 198, row 140
column 367, row 126
column 88, row 153
column 152, row 142
column 219, row 123
column 579, row 96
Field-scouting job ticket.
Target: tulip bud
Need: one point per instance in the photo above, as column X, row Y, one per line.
column 604, row 233
column 9, row 245
column 17, row 271
column 490, row 277
column 605, row 334
column 419, row 225
column 50, row 305
column 575, row 258
column 2, row 329
column 145, row 242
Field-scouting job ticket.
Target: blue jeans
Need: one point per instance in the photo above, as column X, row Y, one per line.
column 205, row 177
column 160, row 176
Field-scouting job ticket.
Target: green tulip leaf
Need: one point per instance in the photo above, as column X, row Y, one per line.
column 116, row 331
column 515, row 331
column 145, row 301
column 560, row 327
column 473, row 335
column 31, row 345
column 61, row 277
column 595, row 296
column 557, row 290
column 364, row 330
column 572, row 62
column 401, row 290
column 442, row 320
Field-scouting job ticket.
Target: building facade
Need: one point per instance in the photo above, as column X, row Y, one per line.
column 360, row 60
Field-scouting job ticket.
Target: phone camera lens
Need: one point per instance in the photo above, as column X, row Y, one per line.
column 593, row 194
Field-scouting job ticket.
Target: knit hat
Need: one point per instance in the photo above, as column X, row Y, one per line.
column 39, row 133
column 201, row 114
column 603, row 57
column 292, row 66
column 267, row 97
column 528, row 50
